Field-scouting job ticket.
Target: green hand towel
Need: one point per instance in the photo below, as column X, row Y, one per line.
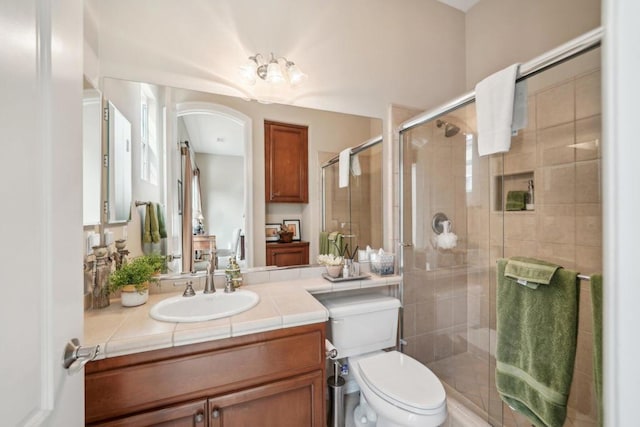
column 146, row 233
column 324, row 243
column 536, row 345
column 336, row 243
column 153, row 219
column 162, row 230
column 516, row 200
column 530, row 272
column 596, row 304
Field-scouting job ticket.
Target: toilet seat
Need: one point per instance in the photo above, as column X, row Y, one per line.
column 403, row 382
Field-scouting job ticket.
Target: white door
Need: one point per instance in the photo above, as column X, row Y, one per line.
column 40, row 210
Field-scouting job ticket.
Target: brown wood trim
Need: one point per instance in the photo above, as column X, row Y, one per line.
column 163, row 415
column 172, row 352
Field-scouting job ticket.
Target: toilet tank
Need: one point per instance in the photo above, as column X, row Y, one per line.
column 361, row 323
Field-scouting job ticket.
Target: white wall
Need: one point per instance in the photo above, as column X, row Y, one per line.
column 503, row 32
column 222, row 186
column 621, row 175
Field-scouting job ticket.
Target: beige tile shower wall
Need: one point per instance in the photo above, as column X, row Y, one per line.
column 562, row 148
column 435, row 281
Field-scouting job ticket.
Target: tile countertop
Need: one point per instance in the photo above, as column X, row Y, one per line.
column 284, row 303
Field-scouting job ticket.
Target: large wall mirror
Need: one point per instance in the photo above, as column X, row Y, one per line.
column 226, row 135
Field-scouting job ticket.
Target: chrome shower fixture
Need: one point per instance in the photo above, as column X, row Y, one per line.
column 449, row 128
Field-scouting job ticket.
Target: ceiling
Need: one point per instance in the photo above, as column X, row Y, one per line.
column 213, row 134
column 463, row 5
column 360, row 56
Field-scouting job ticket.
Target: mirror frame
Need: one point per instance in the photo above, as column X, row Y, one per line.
column 186, row 108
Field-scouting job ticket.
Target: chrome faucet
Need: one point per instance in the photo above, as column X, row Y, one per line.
column 228, row 286
column 209, row 286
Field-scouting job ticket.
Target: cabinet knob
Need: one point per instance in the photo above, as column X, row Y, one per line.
column 215, row 413
column 199, row 418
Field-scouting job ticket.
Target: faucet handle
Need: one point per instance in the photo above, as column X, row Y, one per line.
column 188, row 291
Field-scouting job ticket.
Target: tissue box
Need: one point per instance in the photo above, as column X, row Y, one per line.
column 382, row 264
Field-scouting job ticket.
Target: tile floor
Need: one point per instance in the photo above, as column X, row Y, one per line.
column 473, row 381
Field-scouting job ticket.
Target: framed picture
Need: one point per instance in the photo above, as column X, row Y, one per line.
column 293, row 225
column 271, row 232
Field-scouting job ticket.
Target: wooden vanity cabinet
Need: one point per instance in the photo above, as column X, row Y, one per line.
column 286, row 163
column 274, row 378
column 288, row 254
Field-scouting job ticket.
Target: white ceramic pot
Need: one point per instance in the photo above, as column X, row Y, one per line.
column 130, row 297
column 334, row 270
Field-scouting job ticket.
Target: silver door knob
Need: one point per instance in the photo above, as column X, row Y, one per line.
column 75, row 356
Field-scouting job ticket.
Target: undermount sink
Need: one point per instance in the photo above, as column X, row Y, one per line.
column 203, row 307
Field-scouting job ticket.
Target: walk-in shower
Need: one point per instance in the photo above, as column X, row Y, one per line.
column 449, row 295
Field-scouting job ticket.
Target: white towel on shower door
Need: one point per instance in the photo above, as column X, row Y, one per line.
column 343, row 168
column 495, row 97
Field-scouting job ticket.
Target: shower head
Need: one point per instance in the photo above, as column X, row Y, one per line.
column 449, row 128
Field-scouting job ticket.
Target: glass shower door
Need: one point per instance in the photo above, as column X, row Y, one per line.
column 448, row 320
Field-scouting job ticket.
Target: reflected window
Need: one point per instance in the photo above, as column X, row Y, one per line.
column 148, row 135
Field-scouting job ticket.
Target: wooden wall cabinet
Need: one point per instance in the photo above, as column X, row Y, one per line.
column 288, row 254
column 286, row 163
column 270, row 378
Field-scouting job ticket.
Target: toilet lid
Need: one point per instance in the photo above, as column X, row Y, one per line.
column 403, row 381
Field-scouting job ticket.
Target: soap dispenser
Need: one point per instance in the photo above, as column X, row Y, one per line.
column 233, row 271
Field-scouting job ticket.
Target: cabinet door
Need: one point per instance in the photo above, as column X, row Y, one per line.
column 286, row 163
column 288, row 254
column 294, row 402
column 192, row 414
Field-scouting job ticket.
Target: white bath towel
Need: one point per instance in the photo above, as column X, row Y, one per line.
column 343, row 168
column 355, row 166
column 494, row 110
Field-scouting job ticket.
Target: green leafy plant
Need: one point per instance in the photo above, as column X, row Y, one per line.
column 157, row 262
column 137, row 272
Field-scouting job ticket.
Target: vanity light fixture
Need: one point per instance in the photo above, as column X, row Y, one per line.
column 275, row 71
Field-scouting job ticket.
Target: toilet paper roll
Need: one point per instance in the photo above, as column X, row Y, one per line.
column 330, row 351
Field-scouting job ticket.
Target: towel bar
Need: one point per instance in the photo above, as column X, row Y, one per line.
column 584, row 277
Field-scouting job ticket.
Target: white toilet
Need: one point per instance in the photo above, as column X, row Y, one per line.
column 395, row 389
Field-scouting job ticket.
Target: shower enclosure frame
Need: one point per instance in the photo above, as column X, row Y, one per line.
column 354, row 150
column 557, row 56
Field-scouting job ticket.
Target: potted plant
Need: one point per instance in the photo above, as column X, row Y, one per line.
column 132, row 280
column 157, row 262
column 286, row 235
column 332, row 263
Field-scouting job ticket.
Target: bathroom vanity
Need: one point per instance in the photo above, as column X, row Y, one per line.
column 265, row 366
column 271, row 378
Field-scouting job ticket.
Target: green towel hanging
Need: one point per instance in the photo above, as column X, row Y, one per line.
column 536, row 345
column 596, row 304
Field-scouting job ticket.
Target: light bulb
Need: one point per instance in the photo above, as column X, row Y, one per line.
column 248, row 71
column 296, row 76
column 274, row 73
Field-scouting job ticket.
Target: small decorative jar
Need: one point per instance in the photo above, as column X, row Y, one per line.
column 334, row 270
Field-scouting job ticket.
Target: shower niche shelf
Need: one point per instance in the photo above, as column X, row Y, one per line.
column 510, row 182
